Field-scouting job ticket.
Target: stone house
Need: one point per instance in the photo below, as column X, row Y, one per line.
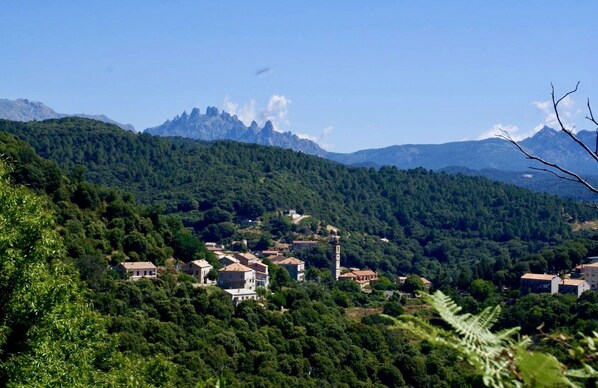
column 236, row 275
column 294, row 266
column 262, row 277
column 364, row 277
column 199, row 269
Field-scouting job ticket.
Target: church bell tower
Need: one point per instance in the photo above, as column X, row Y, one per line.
column 335, row 242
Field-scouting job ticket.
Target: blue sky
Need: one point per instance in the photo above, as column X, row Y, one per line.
column 348, row 74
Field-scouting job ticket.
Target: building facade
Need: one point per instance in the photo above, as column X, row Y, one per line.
column 236, row 275
column 238, row 295
column 539, row 283
column 590, row 274
column 294, row 266
column 137, row 270
column 574, row 287
column 199, row 269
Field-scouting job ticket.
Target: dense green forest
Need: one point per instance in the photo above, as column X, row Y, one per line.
column 166, row 332
column 169, row 333
column 449, row 228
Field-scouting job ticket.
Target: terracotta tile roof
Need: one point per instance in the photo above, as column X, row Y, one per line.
column 425, row 281
column 235, row 267
column 348, row 275
column 138, row 265
column 365, row 272
column 289, row 261
column 246, row 255
column 573, row 282
column 200, row 263
column 537, row 276
column 304, row 242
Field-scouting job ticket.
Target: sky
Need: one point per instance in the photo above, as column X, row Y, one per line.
column 348, row 74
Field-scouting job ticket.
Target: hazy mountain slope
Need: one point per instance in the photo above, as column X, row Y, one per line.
column 222, row 126
column 24, row 110
column 481, row 154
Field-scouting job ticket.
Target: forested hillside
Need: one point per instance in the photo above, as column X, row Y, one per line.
column 168, row 333
column 450, row 228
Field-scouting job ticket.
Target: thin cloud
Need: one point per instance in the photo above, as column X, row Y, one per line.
column 246, row 112
column 322, row 139
column 276, row 111
column 513, row 131
column 567, row 110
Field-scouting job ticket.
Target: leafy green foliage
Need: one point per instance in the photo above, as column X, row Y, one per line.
column 498, row 357
column 48, row 334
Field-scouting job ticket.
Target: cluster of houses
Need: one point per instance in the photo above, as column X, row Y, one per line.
column 583, row 278
column 243, row 272
column 240, row 275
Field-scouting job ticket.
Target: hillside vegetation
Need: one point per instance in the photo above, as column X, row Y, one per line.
column 168, row 333
column 450, row 228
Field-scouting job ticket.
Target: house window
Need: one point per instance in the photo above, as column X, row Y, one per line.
column 137, row 273
column 144, row 273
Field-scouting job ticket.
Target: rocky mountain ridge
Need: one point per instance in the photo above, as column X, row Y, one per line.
column 215, row 125
column 23, row 109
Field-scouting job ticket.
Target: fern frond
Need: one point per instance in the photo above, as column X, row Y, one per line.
column 490, row 353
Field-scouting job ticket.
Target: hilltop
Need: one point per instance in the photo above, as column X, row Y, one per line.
column 22, row 109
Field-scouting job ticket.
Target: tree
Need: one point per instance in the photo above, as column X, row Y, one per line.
column 49, row 335
column 555, row 168
column 413, row 283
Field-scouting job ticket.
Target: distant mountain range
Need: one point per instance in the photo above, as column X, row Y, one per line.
column 24, row 110
column 493, row 153
column 493, row 158
column 214, row 125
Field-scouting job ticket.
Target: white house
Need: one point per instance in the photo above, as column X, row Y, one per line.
column 137, row 269
column 238, row 295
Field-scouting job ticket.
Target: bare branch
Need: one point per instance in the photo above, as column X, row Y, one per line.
column 572, row 176
column 565, row 96
column 591, row 117
column 554, row 173
column 555, row 105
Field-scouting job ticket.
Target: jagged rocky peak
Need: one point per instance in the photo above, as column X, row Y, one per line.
column 195, row 113
column 268, row 127
column 214, row 125
column 254, row 127
column 212, row 111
